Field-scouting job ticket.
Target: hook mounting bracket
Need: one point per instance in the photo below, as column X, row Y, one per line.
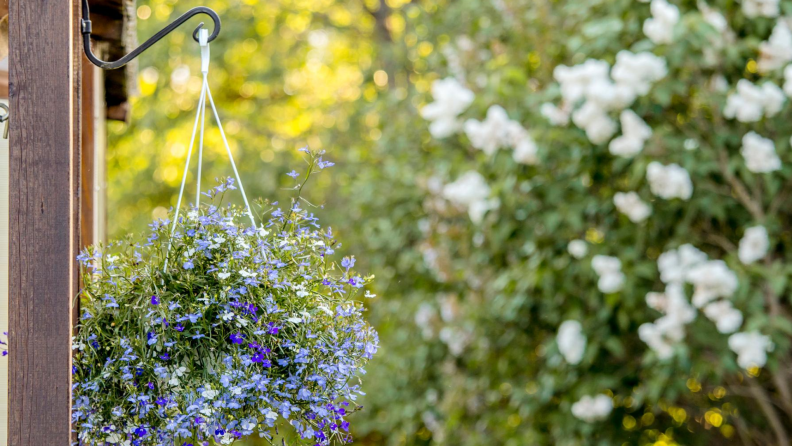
column 85, row 26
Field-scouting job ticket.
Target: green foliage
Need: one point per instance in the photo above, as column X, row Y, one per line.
column 470, row 313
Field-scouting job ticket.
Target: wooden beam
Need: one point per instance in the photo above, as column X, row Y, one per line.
column 44, row 209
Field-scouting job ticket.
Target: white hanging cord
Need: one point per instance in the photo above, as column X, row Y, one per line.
column 230, row 157
column 200, row 114
column 201, row 106
column 203, row 40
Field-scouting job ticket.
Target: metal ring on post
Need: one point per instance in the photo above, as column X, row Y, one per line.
column 86, row 32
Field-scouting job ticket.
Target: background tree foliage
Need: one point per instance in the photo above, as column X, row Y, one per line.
column 467, row 313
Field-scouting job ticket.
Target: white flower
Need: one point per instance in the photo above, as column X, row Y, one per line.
column 593, row 409
column 209, row 394
column 760, row 8
column 497, row 131
column 759, row 153
column 611, row 278
column 776, row 51
column 727, row 318
column 577, row 249
column 711, row 280
column 660, row 27
column 592, row 118
column 492, row 133
column 662, row 334
column 571, row 341
column 751, row 348
column 556, row 115
column 574, row 81
column 675, row 263
column 631, row 205
column 668, row 182
column 635, row 132
column 637, row 71
column 224, row 275
column 753, row 245
column 471, row 191
column 525, row 151
column 713, row 17
column 450, row 99
column 456, row 339
column 749, row 103
column 653, row 337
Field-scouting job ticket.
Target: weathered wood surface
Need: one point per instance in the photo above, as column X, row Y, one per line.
column 44, row 209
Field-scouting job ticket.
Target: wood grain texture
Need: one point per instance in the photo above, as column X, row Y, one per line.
column 44, row 211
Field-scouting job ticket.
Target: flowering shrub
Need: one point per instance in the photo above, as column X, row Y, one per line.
column 591, row 232
column 221, row 331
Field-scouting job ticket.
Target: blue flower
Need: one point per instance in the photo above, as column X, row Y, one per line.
column 237, row 338
column 155, row 300
column 348, row 262
column 140, row 432
column 293, row 174
column 188, row 264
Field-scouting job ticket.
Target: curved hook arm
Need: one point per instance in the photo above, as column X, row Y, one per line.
column 86, row 32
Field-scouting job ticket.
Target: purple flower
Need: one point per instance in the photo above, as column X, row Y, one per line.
column 293, row 174
column 348, row 262
column 237, row 338
column 150, row 385
column 161, row 401
column 155, row 300
column 188, row 264
column 179, row 327
column 219, row 432
column 140, row 432
column 199, row 420
column 164, row 356
column 258, row 358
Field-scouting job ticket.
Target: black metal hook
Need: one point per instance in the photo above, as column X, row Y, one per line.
column 86, row 32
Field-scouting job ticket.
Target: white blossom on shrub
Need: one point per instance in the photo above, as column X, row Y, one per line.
column 611, row 278
column 753, row 245
column 555, row 115
column 577, row 249
column 749, row 103
column 571, row 341
column 630, row 204
column 635, row 132
column 591, row 409
column 668, row 182
column 663, row 333
column 599, row 127
column 751, row 348
column 498, row 131
column 450, row 99
column 638, row 71
column 471, row 192
column 660, row 27
column 674, row 264
column 711, row 280
column 759, row 153
column 727, row 318
column 760, row 8
column 776, row 51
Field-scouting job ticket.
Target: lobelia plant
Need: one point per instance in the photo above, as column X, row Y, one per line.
column 220, row 331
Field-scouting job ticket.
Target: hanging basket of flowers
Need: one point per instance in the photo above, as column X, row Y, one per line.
column 216, row 327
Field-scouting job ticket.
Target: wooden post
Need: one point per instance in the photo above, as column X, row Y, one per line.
column 44, row 209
